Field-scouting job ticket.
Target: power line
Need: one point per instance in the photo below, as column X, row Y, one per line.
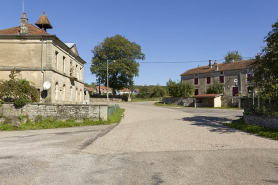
column 181, row 62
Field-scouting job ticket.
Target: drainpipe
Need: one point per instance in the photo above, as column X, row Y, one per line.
column 42, row 64
column 240, row 81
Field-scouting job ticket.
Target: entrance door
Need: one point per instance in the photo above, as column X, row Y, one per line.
column 235, row 91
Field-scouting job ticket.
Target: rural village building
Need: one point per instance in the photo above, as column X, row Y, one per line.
column 103, row 90
column 38, row 56
column 123, row 91
column 235, row 76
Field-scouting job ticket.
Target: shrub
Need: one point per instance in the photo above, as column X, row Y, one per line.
column 20, row 102
column 180, row 89
column 216, row 88
column 18, row 90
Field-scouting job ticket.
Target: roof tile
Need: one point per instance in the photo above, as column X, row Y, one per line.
column 243, row 64
column 32, row 29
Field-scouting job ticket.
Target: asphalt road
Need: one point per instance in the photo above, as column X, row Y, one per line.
column 152, row 145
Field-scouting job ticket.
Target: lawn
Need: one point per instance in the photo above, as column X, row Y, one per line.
column 253, row 129
column 52, row 123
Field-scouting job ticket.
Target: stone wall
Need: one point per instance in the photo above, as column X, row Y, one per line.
column 189, row 102
column 93, row 100
column 61, row 112
column 271, row 122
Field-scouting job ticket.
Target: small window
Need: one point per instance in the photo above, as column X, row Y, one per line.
column 221, row 79
column 64, row 64
column 196, row 81
column 195, row 75
column 221, row 72
column 56, row 59
column 208, row 80
column 196, row 92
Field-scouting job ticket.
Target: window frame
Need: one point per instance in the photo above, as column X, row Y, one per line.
column 208, row 77
column 197, row 92
column 223, row 79
column 196, row 78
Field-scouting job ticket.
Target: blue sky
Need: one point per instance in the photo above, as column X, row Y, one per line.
column 167, row 30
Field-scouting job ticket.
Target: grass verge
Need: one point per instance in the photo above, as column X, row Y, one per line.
column 52, row 123
column 253, row 129
column 146, row 99
column 170, row 105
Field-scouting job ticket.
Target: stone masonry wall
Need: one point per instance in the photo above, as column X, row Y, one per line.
column 271, row 122
column 92, row 100
column 61, row 112
column 178, row 101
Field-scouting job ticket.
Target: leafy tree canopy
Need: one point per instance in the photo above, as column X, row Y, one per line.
column 121, row 55
column 216, row 88
column 180, row 89
column 232, row 55
column 266, row 67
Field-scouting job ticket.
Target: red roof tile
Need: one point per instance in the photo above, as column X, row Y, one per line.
column 125, row 90
column 43, row 22
column 243, row 64
column 103, row 89
column 32, row 29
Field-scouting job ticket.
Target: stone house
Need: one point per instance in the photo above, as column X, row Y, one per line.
column 235, row 76
column 40, row 57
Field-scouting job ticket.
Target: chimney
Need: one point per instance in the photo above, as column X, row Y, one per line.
column 232, row 61
column 216, row 65
column 24, row 25
column 210, row 66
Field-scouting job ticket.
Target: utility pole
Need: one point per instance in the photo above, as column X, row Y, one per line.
column 107, row 87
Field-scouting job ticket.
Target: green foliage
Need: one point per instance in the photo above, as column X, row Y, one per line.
column 144, row 92
column 20, row 102
column 180, row 89
column 125, row 67
column 189, row 90
column 266, row 67
column 258, row 130
column 158, row 91
column 18, row 89
column 232, row 55
column 216, row 88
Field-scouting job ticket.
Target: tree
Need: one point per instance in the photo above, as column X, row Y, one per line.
column 266, row 67
column 144, row 92
column 180, row 89
column 216, row 88
column 18, row 89
column 158, row 91
column 121, row 55
column 232, row 55
column 189, row 90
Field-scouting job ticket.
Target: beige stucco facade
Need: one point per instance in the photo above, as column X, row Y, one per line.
column 41, row 58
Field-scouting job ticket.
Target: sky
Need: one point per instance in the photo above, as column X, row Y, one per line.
column 175, row 35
